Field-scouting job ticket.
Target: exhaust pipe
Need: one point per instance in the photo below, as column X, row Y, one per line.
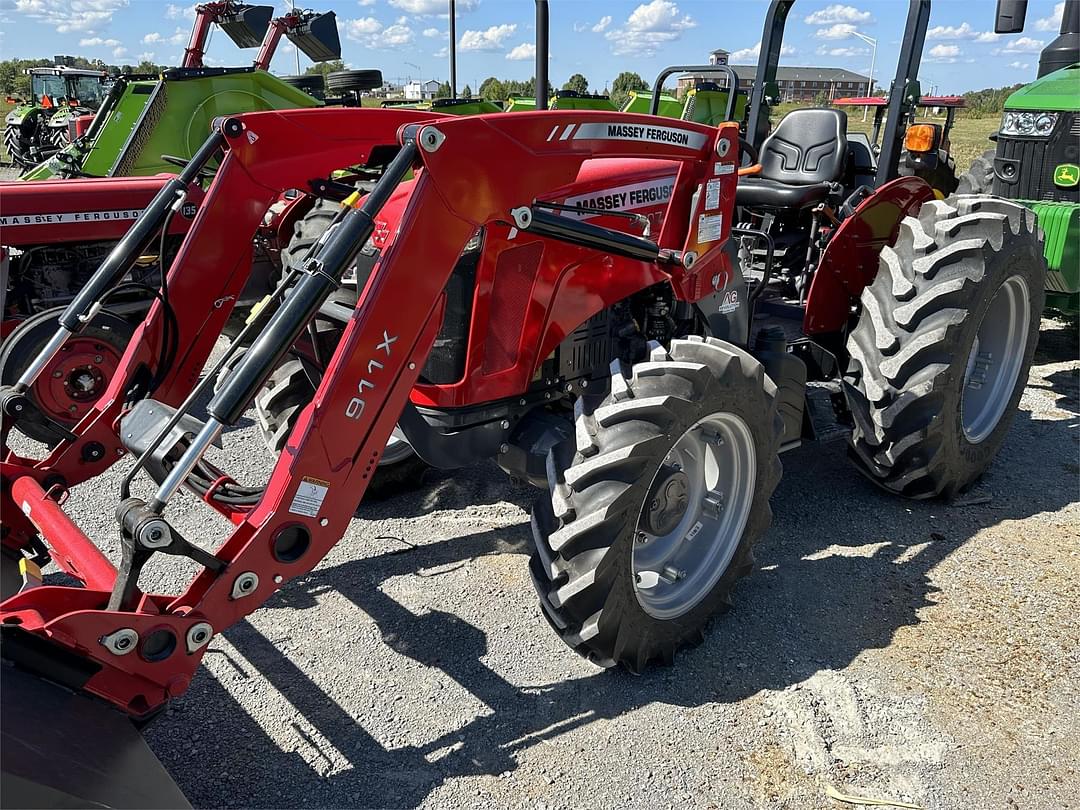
column 1065, row 50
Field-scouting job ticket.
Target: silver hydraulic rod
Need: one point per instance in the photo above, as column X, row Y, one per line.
column 43, row 358
column 180, row 471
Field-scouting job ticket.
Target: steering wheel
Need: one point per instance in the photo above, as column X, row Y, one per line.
column 204, row 173
column 748, row 150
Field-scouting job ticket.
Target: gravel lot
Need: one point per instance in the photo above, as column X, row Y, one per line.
column 922, row 652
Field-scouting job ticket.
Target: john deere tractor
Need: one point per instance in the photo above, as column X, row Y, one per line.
column 1037, row 159
column 38, row 127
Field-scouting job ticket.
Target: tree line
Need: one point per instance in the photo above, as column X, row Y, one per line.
column 15, row 82
column 495, row 89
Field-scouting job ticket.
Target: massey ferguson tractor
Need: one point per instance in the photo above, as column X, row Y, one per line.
column 639, row 319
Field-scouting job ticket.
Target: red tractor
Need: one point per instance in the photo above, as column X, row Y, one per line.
column 595, row 321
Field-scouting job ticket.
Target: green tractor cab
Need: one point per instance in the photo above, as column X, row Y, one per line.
column 39, row 127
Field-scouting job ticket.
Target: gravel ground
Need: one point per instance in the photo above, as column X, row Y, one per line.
column 921, row 652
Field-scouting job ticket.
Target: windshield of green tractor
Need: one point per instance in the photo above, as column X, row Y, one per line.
column 87, row 89
column 47, row 85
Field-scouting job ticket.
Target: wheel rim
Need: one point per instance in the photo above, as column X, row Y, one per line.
column 397, row 449
column 694, row 516
column 995, row 359
column 75, row 379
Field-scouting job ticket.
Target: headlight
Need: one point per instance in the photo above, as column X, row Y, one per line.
column 1036, row 124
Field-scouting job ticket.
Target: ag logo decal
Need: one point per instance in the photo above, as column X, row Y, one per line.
column 1067, row 175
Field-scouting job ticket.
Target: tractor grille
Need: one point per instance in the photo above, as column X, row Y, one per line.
column 1024, row 167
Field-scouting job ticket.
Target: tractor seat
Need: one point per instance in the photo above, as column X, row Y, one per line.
column 800, row 161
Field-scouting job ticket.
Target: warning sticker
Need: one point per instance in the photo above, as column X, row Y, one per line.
column 309, row 497
column 709, row 227
column 712, row 195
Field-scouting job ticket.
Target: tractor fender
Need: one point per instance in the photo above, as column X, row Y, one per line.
column 18, row 116
column 850, row 259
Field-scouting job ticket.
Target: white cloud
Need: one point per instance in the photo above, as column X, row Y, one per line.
column 434, row 32
column 649, row 26
column 1019, row 65
column 837, row 13
column 175, row 12
column 373, row 34
column 98, row 42
column 1053, row 22
column 751, row 54
column 146, row 56
column 847, row 52
column 605, row 21
column 67, row 16
column 944, row 51
column 432, row 8
column 490, row 40
column 152, row 38
column 365, row 2
column 119, row 53
column 1022, row 45
column 962, row 31
column 362, row 30
column 179, row 36
column 522, row 52
column 838, row 31
column 396, row 35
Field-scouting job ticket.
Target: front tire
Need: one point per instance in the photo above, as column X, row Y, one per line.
column 940, row 354
column 979, row 178
column 650, row 520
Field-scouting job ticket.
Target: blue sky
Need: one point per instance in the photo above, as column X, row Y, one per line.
column 599, row 38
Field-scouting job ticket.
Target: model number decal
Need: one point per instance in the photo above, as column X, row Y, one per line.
column 357, row 404
column 70, row 216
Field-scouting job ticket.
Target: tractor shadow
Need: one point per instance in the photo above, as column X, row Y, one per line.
column 843, row 568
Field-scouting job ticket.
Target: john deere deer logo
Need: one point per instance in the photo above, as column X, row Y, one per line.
column 1067, row 175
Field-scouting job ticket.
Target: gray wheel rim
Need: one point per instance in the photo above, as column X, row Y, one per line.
column 397, row 449
column 995, row 359
column 674, row 571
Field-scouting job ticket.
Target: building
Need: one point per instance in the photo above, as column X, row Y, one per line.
column 796, row 83
column 421, row 91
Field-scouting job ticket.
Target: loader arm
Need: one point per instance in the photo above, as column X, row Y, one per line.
column 145, row 652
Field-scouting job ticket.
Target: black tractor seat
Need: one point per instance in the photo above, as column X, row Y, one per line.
column 801, row 161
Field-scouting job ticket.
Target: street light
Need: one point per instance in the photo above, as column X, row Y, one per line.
column 873, row 57
column 410, row 64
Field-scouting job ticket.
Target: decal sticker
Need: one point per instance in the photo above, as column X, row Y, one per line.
column 1067, row 175
column 621, row 198
column 188, row 210
column 730, row 302
column 712, row 195
column 638, row 132
column 694, row 530
column 723, row 168
column 709, row 228
column 309, row 497
column 70, row 217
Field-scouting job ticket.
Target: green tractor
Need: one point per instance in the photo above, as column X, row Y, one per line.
column 39, row 126
column 1037, row 159
column 149, row 124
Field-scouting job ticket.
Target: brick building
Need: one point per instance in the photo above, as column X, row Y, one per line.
column 796, row 83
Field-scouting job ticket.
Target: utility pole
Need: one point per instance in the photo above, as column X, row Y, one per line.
column 873, row 57
column 453, row 49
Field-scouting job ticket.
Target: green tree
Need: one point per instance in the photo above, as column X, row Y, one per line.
column 577, row 83
column 443, row 91
column 623, row 84
column 322, row 68
column 822, row 99
column 146, row 66
column 467, row 92
column 493, row 90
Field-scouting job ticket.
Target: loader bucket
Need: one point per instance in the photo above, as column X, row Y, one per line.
column 247, row 26
column 61, row 749
column 318, row 38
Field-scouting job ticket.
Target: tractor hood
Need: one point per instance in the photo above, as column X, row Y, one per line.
column 1055, row 91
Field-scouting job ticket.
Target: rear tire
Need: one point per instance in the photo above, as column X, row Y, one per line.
column 979, row 178
column 941, row 352
column 607, row 564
